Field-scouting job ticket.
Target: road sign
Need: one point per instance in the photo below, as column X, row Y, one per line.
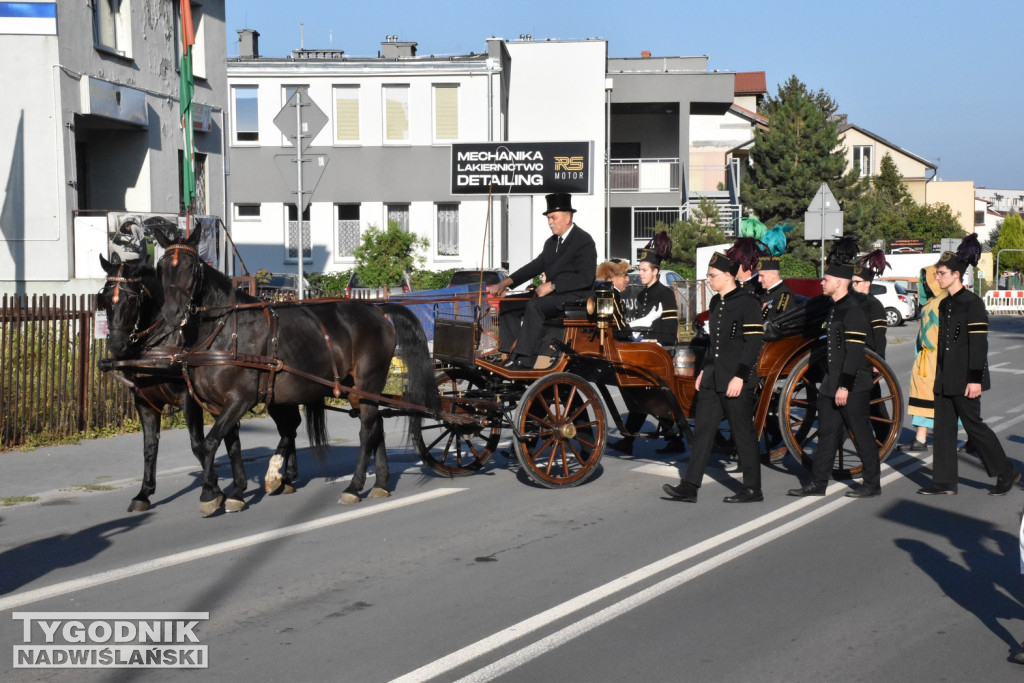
column 313, row 166
column 823, row 219
column 311, row 119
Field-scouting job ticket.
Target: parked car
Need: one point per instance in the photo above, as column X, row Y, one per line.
column 899, row 304
column 284, row 287
column 490, row 276
column 357, row 290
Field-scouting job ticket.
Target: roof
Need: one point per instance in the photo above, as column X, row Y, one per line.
column 878, row 138
column 750, row 83
column 751, row 116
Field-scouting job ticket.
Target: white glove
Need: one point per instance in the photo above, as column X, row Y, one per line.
column 648, row 319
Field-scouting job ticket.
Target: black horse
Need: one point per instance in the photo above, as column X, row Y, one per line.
column 242, row 353
column 132, row 298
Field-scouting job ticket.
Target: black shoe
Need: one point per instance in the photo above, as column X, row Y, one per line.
column 675, row 445
column 1005, row 482
column 622, row 446
column 745, row 495
column 1018, row 655
column 865, row 491
column 938, row 490
column 810, row 489
column 914, row 446
column 685, row 491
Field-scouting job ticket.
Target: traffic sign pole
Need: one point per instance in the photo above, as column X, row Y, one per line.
column 298, row 166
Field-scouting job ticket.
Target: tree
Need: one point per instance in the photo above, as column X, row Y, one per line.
column 1011, row 236
column 699, row 230
column 384, row 256
column 797, row 153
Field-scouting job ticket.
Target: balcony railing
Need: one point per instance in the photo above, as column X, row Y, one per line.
column 644, row 175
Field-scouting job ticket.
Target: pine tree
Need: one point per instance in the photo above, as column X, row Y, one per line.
column 797, row 153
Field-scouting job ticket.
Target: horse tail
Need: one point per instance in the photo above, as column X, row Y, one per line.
column 421, row 388
column 316, row 429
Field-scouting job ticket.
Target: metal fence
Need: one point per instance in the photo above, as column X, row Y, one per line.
column 50, row 385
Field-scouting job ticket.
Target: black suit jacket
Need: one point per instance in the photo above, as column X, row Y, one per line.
column 736, row 332
column 962, row 344
column 572, row 269
column 846, row 335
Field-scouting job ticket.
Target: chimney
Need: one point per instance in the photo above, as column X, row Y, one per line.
column 645, row 54
column 391, row 48
column 248, row 43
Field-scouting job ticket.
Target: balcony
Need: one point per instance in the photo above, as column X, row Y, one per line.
column 644, row 175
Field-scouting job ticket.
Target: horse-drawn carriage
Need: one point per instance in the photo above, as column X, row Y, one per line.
column 559, row 417
column 235, row 352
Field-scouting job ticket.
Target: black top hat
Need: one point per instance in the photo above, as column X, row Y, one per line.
column 840, row 270
column 559, row 201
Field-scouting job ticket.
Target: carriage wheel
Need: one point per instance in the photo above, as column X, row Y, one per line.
column 798, row 417
column 562, row 425
column 458, row 450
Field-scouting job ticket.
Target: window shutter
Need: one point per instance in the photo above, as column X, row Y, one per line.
column 446, row 112
column 346, row 102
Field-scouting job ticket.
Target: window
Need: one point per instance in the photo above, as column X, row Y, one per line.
column 292, row 235
column 247, row 212
column 287, row 92
column 396, row 113
column 399, row 214
column 446, row 112
column 348, row 229
column 246, row 103
column 112, row 26
column 862, row 157
column 447, row 229
column 346, row 113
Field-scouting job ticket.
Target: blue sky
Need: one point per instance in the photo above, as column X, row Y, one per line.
column 942, row 79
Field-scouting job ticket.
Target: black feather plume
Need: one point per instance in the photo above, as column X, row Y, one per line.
column 843, row 251
column 875, row 261
column 969, row 250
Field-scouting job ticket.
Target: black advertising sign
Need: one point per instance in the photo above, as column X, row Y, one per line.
column 521, row 167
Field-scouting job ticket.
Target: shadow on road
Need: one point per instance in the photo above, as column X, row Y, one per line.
column 26, row 563
column 985, row 579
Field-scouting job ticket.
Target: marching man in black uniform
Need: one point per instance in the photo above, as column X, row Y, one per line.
column 864, row 272
column 843, row 397
column 961, row 374
column 726, row 384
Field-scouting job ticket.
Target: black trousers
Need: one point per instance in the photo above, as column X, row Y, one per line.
column 833, row 423
column 981, row 436
column 712, row 407
column 524, row 324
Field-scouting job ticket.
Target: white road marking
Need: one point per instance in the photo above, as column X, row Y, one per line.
column 502, row 638
column 19, row 599
column 999, row 368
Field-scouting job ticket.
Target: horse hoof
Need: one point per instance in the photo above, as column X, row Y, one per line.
column 138, row 506
column 207, row 508
column 287, row 488
column 234, row 505
column 348, row 498
column 272, row 482
column 379, row 493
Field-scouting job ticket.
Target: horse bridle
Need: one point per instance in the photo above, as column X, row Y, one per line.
column 120, row 288
column 197, row 274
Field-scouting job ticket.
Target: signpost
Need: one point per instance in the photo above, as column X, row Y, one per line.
column 300, row 120
column 823, row 220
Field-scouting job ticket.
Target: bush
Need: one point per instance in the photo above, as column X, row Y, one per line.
column 429, row 279
column 332, row 284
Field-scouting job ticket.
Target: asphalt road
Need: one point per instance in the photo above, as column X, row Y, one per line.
column 491, row 577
